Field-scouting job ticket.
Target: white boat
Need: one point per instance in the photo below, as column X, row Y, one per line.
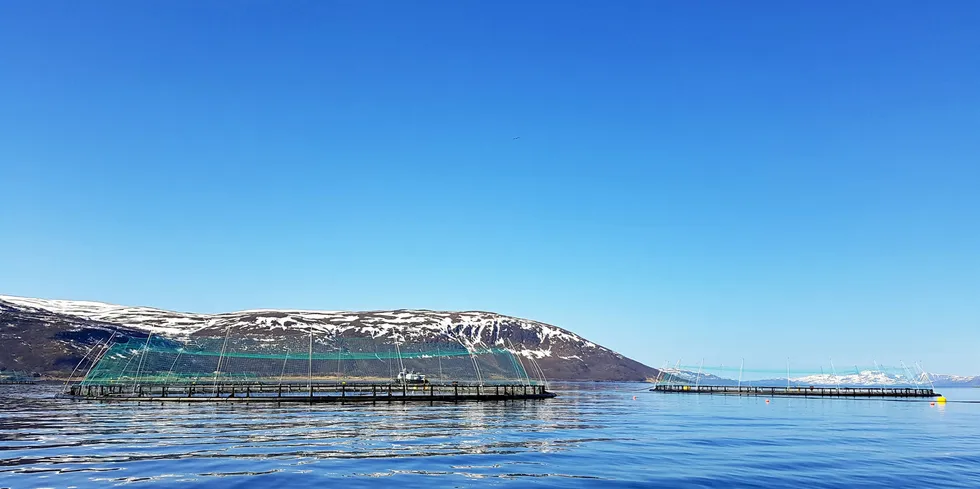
column 410, row 377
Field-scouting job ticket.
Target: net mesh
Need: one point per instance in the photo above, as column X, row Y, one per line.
column 301, row 359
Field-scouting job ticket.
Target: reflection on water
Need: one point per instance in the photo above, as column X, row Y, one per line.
column 592, row 435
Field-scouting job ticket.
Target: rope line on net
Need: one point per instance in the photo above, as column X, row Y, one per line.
column 291, row 359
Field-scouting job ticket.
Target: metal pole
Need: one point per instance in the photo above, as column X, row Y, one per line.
column 221, row 355
column 172, row 365
column 660, row 375
column 340, row 367
column 133, row 353
column 439, row 357
column 519, row 361
column 476, row 367
column 310, row 373
column 697, row 382
column 139, row 366
column 537, row 369
column 676, row 366
column 909, row 373
column 401, row 364
column 98, row 358
column 740, row 375
column 281, row 375
column 787, row 372
column 80, row 364
column 929, row 378
column 544, row 378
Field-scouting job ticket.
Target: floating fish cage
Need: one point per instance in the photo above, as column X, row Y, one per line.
column 16, row 378
column 796, row 391
column 305, row 368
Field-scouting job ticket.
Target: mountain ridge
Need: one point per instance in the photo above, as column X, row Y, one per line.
column 72, row 326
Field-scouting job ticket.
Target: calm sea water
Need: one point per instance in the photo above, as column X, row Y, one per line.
column 591, row 436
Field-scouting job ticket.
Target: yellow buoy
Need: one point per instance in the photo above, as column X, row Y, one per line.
column 941, row 400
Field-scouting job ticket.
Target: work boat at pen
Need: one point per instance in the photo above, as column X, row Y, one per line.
column 410, row 377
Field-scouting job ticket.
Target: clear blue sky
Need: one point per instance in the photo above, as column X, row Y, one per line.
column 692, row 179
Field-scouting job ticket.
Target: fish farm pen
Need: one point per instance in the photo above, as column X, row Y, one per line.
column 303, row 369
column 16, row 378
column 905, row 392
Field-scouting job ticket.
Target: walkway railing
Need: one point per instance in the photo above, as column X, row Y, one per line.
column 314, row 392
column 810, row 391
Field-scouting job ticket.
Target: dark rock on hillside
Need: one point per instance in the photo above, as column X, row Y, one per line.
column 52, row 336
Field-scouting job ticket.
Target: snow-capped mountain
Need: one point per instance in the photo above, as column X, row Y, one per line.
column 944, row 380
column 869, row 378
column 864, row 378
column 676, row 375
column 29, row 325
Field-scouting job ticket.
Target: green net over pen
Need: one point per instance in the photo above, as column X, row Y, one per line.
column 295, row 359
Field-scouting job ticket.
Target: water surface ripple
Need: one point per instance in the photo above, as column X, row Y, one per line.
column 593, row 435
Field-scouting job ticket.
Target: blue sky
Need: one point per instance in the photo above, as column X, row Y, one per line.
column 692, row 179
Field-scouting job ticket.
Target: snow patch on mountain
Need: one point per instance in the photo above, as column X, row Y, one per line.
column 471, row 328
column 865, row 378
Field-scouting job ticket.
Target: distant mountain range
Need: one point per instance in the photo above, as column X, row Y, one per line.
column 866, row 378
column 51, row 336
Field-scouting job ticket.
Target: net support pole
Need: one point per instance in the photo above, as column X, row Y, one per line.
column 544, row 378
column 398, row 351
column 787, row 372
column 677, row 365
column 516, row 354
column 697, row 382
column 172, row 365
column 90, row 349
column 340, row 367
column 925, row 374
column 139, row 366
column 283, row 373
column 476, row 366
column 909, row 373
column 221, row 355
column 98, row 358
column 439, row 358
column 310, row 372
column 740, row 367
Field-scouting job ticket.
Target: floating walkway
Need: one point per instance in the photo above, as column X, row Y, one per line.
column 16, row 378
column 332, row 392
column 796, row 391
